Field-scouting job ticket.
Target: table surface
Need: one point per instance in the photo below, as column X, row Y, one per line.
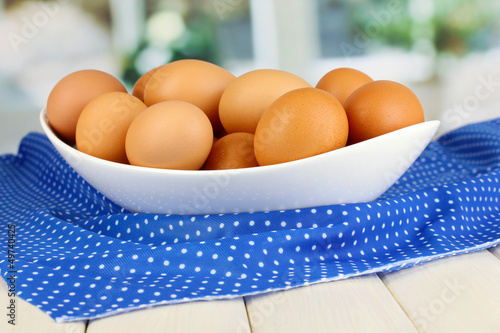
column 454, row 294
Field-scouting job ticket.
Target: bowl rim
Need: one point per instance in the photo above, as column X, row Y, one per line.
column 49, row 131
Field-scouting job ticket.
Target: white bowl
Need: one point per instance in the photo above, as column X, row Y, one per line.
column 356, row 173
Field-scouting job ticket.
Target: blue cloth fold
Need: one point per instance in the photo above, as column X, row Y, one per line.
column 78, row 255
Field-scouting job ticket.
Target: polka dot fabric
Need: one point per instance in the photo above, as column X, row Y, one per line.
column 79, row 255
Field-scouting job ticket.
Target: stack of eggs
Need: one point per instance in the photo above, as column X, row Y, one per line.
column 191, row 115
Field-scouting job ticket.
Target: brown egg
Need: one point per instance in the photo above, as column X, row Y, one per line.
column 342, row 82
column 381, row 107
column 301, row 123
column 103, row 124
column 72, row 93
column 233, row 151
column 198, row 82
column 140, row 84
column 248, row 96
column 170, row 135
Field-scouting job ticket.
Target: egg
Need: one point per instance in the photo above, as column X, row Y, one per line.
column 233, row 151
column 72, row 93
column 249, row 95
column 301, row 123
column 140, row 84
column 170, row 135
column 194, row 81
column 342, row 82
column 103, row 125
column 380, row 107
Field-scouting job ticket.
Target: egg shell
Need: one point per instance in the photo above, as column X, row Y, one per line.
column 342, row 82
column 170, row 135
column 380, row 107
column 103, row 125
column 72, row 93
column 249, row 95
column 301, row 123
column 194, row 81
column 140, row 84
column 233, row 151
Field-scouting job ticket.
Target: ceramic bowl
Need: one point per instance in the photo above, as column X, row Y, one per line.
column 357, row 173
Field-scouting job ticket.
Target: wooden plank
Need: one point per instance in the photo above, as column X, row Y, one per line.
column 200, row 316
column 359, row 304
column 28, row 318
column 496, row 251
column 455, row 294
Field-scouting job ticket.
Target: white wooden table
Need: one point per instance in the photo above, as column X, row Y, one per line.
column 455, row 294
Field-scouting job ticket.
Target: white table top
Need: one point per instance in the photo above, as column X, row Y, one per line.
column 454, row 294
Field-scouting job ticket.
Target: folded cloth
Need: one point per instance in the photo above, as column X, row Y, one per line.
column 75, row 254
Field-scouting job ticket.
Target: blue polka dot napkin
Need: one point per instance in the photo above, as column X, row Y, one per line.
column 75, row 254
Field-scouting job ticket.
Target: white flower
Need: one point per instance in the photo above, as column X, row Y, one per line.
column 164, row 28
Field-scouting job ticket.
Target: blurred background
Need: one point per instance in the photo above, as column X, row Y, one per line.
column 446, row 51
